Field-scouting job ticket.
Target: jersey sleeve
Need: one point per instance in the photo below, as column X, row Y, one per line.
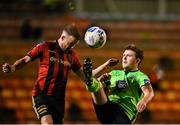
column 144, row 80
column 36, row 52
column 76, row 64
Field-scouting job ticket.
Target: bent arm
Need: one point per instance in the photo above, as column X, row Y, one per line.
column 148, row 95
column 80, row 73
column 100, row 69
column 21, row 62
column 110, row 63
column 17, row 64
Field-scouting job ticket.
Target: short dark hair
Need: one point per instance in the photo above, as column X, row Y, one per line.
column 73, row 31
column 139, row 52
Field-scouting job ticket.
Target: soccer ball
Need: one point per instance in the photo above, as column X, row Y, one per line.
column 95, row 37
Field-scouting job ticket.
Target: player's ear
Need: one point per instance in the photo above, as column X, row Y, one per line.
column 62, row 37
column 138, row 60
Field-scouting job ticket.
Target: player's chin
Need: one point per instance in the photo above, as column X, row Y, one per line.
column 124, row 66
column 68, row 48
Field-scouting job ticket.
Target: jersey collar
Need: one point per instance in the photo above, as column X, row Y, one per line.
column 126, row 72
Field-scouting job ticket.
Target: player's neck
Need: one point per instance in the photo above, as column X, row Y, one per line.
column 131, row 69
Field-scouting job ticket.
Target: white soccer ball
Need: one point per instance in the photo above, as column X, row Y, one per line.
column 95, row 37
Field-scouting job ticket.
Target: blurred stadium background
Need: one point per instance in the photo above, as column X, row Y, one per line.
column 153, row 25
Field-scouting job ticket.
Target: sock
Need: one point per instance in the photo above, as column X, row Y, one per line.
column 94, row 87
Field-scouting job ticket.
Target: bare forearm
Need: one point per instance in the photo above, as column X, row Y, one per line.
column 148, row 93
column 100, row 69
column 108, row 64
column 148, row 97
column 20, row 63
column 17, row 65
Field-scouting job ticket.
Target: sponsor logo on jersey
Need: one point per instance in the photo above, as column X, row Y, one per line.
column 65, row 63
column 146, row 81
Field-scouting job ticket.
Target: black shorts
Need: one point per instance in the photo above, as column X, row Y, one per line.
column 47, row 105
column 111, row 113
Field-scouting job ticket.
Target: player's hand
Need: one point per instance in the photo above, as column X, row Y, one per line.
column 141, row 106
column 6, row 68
column 112, row 62
column 104, row 77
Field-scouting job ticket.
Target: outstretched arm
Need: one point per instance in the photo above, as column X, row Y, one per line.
column 110, row 63
column 148, row 95
column 17, row 65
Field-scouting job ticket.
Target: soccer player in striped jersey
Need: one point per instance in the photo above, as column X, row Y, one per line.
column 56, row 59
column 129, row 90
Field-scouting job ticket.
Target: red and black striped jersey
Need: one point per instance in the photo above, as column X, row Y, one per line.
column 54, row 66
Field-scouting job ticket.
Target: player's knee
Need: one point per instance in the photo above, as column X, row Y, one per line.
column 47, row 119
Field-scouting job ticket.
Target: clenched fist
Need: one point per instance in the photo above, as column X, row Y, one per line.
column 112, row 62
column 6, row 68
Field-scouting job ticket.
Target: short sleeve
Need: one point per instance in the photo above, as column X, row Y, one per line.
column 76, row 64
column 36, row 52
column 144, row 80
